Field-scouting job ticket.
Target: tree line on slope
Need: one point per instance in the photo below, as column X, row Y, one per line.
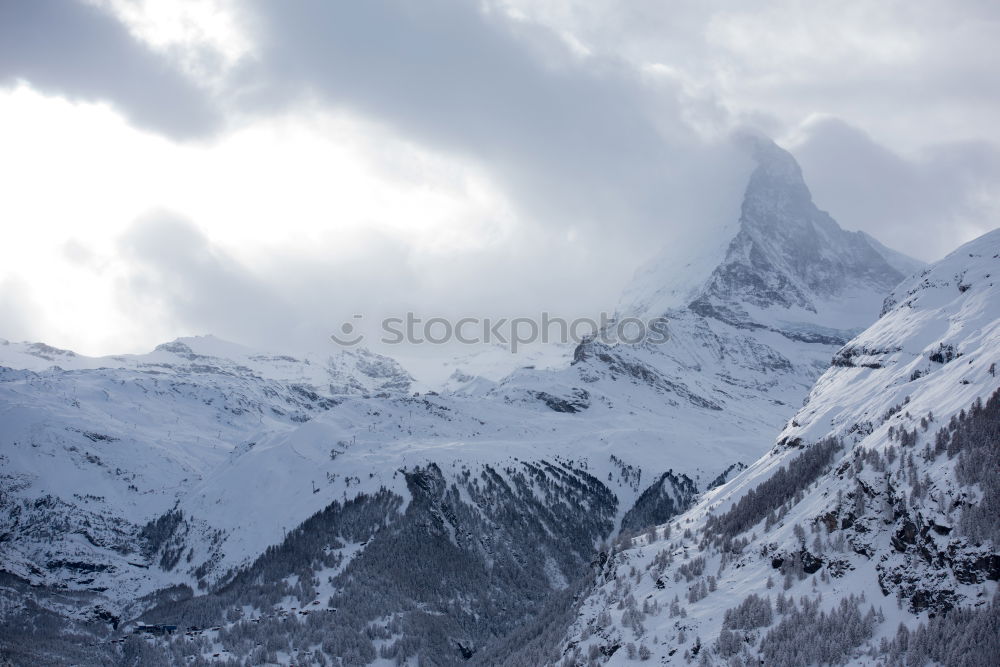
column 756, row 504
column 475, row 567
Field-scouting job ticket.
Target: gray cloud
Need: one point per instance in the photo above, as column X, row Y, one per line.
column 19, row 314
column 581, row 147
column 174, row 275
column 175, row 270
column 575, row 144
column 923, row 206
column 597, row 148
column 906, row 86
column 80, row 51
column 576, row 141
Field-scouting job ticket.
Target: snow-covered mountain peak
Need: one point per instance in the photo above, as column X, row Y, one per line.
column 790, row 267
column 205, row 346
column 784, row 265
column 777, row 175
column 212, row 361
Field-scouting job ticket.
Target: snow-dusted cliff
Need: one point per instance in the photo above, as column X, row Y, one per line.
column 876, row 506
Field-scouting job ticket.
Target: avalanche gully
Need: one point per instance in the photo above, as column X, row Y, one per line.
column 206, row 502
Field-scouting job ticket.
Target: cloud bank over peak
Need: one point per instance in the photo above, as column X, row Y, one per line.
column 444, row 155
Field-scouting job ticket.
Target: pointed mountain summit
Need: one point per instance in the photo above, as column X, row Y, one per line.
column 789, row 267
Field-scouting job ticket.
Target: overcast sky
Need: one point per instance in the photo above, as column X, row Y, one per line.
column 263, row 170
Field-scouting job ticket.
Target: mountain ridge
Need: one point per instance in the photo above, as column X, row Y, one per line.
column 339, row 466
column 788, row 266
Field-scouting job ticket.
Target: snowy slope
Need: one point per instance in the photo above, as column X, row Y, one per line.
column 95, row 448
column 192, row 466
column 860, row 504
